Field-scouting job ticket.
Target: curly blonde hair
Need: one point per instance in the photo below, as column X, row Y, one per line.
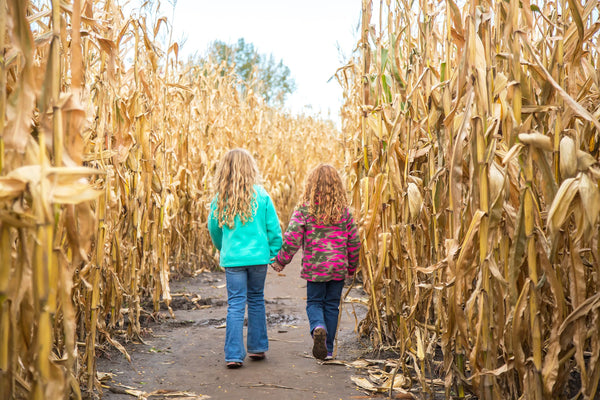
column 325, row 195
column 234, row 186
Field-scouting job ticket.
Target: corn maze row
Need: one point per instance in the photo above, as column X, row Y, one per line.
column 108, row 147
column 476, row 172
column 470, row 142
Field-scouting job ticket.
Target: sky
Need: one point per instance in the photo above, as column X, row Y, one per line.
column 313, row 38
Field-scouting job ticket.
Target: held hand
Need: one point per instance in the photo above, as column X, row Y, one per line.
column 349, row 281
column 276, row 266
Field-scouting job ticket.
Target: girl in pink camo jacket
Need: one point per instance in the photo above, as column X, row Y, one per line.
column 323, row 226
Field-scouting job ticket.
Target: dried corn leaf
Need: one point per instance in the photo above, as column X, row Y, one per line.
column 536, row 140
column 590, row 199
column 561, row 205
column 11, row 187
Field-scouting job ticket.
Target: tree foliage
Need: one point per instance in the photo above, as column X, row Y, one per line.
column 270, row 78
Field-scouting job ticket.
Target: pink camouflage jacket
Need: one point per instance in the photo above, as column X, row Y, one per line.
column 330, row 251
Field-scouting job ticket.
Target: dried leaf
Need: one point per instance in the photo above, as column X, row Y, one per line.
column 590, row 199
column 536, row 140
column 11, row 188
column 561, row 205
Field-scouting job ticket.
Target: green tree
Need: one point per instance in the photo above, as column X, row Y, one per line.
column 263, row 73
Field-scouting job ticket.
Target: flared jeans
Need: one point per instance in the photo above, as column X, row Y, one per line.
column 245, row 285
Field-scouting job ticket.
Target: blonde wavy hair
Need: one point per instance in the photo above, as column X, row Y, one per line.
column 324, row 195
column 234, row 186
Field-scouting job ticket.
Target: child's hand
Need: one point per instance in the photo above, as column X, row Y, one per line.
column 276, row 266
column 349, row 281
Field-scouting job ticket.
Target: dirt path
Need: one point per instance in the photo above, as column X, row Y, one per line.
column 186, row 354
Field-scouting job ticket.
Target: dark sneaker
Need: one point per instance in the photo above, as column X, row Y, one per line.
column 257, row 356
column 319, row 338
column 329, row 356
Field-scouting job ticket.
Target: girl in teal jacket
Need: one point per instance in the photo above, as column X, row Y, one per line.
column 244, row 227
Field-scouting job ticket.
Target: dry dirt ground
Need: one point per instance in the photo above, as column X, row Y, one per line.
column 185, row 354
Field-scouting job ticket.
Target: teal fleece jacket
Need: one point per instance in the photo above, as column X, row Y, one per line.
column 253, row 243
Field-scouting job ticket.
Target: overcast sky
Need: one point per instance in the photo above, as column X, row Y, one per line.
column 305, row 35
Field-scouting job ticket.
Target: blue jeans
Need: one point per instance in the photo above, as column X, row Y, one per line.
column 245, row 285
column 323, row 307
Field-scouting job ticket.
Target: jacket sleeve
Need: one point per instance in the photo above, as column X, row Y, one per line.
column 353, row 244
column 292, row 238
column 273, row 228
column 216, row 232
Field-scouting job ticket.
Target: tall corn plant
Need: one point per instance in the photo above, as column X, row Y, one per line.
column 475, row 167
column 44, row 192
column 108, row 146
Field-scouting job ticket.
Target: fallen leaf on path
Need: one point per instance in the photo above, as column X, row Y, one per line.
column 364, row 383
column 272, row 385
column 286, row 341
column 176, row 395
column 171, row 394
column 334, row 362
column 382, row 378
column 104, row 376
column 359, row 300
column 362, row 363
column 122, row 389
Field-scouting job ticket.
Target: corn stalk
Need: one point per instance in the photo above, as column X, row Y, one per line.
column 105, row 176
column 479, row 193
